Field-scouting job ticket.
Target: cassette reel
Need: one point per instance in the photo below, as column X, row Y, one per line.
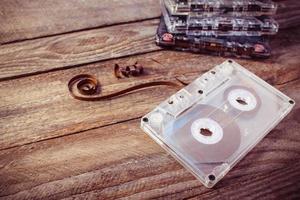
column 245, row 47
column 211, row 124
column 217, row 7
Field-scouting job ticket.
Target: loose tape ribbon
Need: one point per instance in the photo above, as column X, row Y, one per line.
column 87, row 87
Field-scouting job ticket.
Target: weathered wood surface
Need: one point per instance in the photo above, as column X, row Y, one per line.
column 70, row 50
column 78, row 48
column 46, row 96
column 75, row 49
column 288, row 14
column 55, row 147
column 26, row 19
column 45, row 110
column 121, row 161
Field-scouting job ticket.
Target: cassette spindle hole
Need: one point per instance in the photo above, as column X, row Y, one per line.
column 292, row 102
column 212, row 177
column 206, row 132
column 145, row 119
column 242, row 101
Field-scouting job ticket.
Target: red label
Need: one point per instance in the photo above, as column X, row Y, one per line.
column 167, row 37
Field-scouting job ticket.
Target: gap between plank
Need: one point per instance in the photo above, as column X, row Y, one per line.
column 106, row 125
column 77, row 31
column 72, row 133
column 72, row 66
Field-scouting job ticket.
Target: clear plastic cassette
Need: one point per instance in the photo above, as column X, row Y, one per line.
column 220, row 25
column 211, row 124
column 245, row 47
column 217, row 7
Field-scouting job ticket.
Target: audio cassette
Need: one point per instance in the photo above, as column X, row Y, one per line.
column 217, row 7
column 242, row 47
column 212, row 123
column 220, row 25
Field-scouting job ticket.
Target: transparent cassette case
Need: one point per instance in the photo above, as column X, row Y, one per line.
column 215, row 121
column 245, row 47
column 217, row 7
column 221, row 25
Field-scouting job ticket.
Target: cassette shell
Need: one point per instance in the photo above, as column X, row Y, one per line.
column 220, row 25
column 245, row 47
column 169, row 123
column 217, row 7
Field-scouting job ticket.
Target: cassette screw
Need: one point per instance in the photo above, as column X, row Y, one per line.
column 291, row 102
column 200, row 91
column 212, row 177
column 145, row 119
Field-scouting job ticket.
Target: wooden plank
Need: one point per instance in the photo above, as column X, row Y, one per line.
column 71, row 50
column 288, row 14
column 64, row 51
column 40, row 107
column 120, row 161
column 26, row 19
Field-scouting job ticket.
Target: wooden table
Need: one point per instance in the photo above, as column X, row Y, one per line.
column 53, row 146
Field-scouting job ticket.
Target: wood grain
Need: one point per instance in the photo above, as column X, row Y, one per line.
column 72, row 50
column 41, row 107
column 55, row 147
column 27, row 19
column 120, row 161
column 65, row 51
column 288, row 14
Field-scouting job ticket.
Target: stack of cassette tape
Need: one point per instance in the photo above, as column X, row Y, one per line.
column 224, row 27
